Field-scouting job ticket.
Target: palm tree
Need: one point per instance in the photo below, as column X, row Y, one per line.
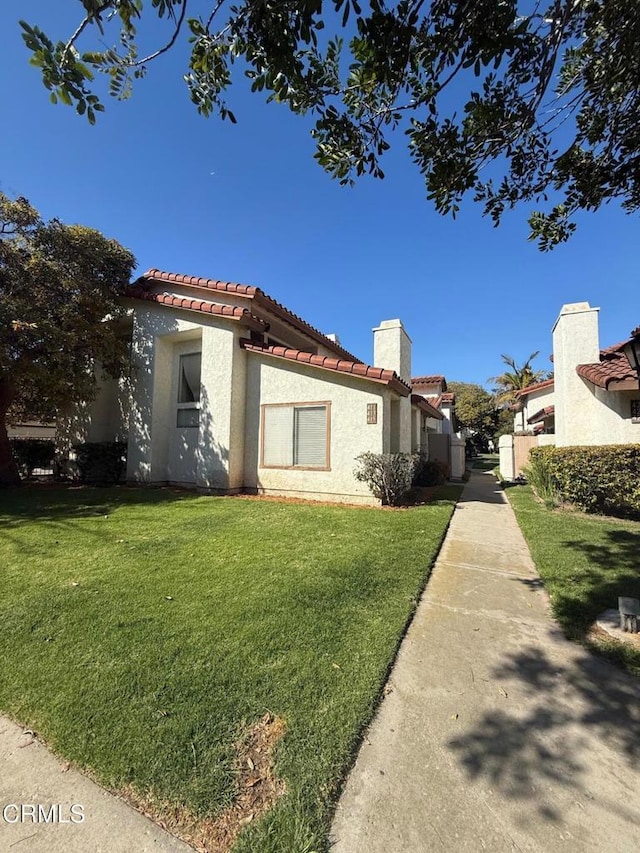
column 508, row 384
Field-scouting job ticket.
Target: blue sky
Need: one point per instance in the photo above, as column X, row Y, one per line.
column 248, row 203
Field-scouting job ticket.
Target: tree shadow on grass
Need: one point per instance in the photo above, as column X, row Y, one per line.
column 45, row 503
column 613, row 570
column 565, row 707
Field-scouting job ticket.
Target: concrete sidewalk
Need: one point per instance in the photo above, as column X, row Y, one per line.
column 31, row 776
column 498, row 734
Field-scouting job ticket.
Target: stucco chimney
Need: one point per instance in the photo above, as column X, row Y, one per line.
column 333, row 337
column 575, row 341
column 392, row 348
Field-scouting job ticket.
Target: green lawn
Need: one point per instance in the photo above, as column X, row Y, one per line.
column 143, row 631
column 585, row 561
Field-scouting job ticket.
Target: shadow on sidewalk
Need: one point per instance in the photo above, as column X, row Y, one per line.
column 482, row 488
column 523, row 755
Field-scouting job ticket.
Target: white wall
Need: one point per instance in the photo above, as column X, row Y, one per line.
column 533, row 402
column 210, row 456
column 272, row 380
column 586, row 414
column 392, row 348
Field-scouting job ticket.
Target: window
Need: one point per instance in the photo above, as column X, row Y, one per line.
column 635, row 411
column 189, row 390
column 296, row 435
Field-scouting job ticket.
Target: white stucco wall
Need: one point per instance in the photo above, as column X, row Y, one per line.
column 533, row 402
column 392, row 348
column 211, row 455
column 586, row 414
column 271, row 380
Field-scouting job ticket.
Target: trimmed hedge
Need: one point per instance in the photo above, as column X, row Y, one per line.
column 101, row 462
column 602, row 479
column 429, row 473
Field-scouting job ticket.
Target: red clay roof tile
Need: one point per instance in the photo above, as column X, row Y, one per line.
column 376, row 374
column 231, row 312
column 255, row 293
column 542, row 415
column 426, row 407
column 534, row 387
column 613, row 367
column 436, row 379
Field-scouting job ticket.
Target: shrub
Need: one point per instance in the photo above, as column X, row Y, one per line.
column 429, row 473
column 388, row 475
column 538, row 474
column 31, row 453
column 595, row 479
column 100, row 462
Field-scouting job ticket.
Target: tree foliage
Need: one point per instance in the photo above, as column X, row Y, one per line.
column 58, row 283
column 475, row 407
column 511, row 101
column 515, row 379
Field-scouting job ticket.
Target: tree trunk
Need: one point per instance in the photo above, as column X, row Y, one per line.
column 9, row 475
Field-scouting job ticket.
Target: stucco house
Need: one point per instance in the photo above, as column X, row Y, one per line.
column 593, row 398
column 534, row 408
column 232, row 392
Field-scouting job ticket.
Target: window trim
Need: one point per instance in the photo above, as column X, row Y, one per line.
column 194, row 405
column 297, row 405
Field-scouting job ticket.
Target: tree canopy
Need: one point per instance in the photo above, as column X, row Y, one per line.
column 58, row 285
column 516, row 378
column 510, row 101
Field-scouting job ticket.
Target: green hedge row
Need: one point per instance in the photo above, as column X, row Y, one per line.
column 101, row 462
column 602, row 479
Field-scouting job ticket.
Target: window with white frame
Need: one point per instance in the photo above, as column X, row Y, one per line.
column 296, row 435
column 189, row 367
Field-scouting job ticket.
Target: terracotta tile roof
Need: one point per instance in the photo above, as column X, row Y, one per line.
column 536, row 386
column 449, row 397
column 231, row 312
column 542, row 415
column 426, row 407
column 259, row 297
column 436, row 379
column 614, row 365
column 355, row 368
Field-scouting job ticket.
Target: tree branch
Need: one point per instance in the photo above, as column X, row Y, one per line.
column 167, row 46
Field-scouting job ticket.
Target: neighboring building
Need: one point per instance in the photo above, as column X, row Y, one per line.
column 597, row 393
column 232, row 392
column 32, row 429
column 593, row 399
column 534, row 408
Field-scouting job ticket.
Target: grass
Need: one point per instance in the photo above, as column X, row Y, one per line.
column 585, row 561
column 485, row 462
column 142, row 631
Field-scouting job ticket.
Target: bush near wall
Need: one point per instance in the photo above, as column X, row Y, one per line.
column 602, row 479
column 30, row 453
column 388, row 475
column 101, row 462
column 428, row 472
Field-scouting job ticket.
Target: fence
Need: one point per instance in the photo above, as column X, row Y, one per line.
column 514, row 453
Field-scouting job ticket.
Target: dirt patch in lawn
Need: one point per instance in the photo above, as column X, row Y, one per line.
column 257, row 790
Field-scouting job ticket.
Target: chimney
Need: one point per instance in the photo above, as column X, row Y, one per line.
column 392, row 348
column 575, row 341
column 333, row 337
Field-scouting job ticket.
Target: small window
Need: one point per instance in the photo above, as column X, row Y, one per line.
column 296, row 436
column 189, row 388
column 188, row 414
column 635, row 411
